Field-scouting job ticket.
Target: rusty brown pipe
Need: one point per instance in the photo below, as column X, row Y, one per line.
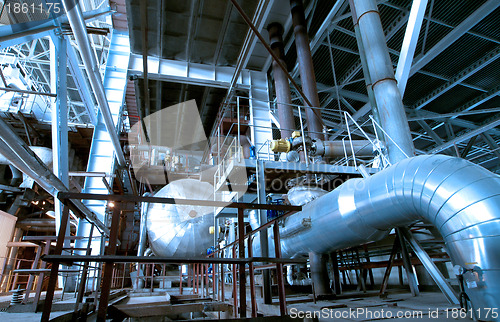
column 283, row 95
column 306, row 69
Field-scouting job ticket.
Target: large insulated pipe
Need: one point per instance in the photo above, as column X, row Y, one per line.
column 306, row 69
column 461, row 199
column 77, row 24
column 385, row 88
column 283, row 95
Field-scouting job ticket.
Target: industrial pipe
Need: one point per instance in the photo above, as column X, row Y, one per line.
column 319, row 274
column 22, row 157
column 306, row 69
column 17, row 176
column 283, row 95
column 385, row 88
column 77, row 24
column 459, row 198
column 338, row 149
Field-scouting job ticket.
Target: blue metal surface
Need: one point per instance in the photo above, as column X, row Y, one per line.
column 102, row 157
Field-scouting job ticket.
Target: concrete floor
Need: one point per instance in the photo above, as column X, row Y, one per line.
column 429, row 306
column 30, row 316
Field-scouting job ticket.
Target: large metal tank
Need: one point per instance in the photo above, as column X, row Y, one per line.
column 181, row 230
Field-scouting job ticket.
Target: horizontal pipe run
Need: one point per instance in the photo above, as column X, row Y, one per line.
column 459, row 198
column 170, row 260
column 192, row 202
column 26, row 92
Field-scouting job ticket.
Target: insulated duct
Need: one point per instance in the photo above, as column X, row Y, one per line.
column 77, row 23
column 181, row 230
column 461, row 199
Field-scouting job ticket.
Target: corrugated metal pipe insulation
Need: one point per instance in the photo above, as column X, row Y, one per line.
column 461, row 199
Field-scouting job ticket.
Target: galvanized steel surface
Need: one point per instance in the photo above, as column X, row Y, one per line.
column 458, row 197
column 181, row 230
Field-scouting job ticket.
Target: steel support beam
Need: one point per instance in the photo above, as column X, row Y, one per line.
column 263, row 235
column 469, row 22
column 11, row 35
column 259, row 19
column 493, row 145
column 449, row 39
column 188, row 73
column 431, row 268
column 410, row 274
column 461, row 76
column 59, row 126
column 423, row 114
column 410, row 43
column 481, row 129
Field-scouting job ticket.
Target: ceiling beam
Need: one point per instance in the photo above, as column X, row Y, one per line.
column 461, row 76
column 469, row 22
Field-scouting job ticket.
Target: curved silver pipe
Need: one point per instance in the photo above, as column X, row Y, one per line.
column 458, row 197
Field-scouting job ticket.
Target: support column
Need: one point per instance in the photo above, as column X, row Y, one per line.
column 59, row 127
column 306, row 69
column 263, row 235
column 319, row 274
column 336, row 273
column 385, row 88
column 108, row 267
column 410, row 275
column 283, row 95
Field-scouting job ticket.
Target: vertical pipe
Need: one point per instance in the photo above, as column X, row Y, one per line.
column 319, row 274
column 306, row 69
column 366, row 74
column 385, row 88
column 283, row 96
